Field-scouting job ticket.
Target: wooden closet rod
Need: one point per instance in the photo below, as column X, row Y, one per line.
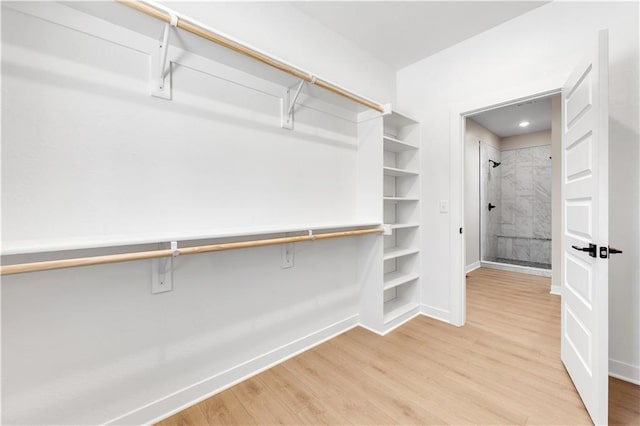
column 245, row 50
column 154, row 254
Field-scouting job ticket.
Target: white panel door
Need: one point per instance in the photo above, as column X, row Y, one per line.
column 585, row 204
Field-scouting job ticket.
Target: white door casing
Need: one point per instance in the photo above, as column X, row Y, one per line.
column 584, row 315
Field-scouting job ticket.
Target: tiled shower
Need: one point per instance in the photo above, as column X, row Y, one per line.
column 518, row 183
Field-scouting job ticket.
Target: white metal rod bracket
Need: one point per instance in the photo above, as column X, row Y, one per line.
column 162, row 271
column 160, row 78
column 288, row 103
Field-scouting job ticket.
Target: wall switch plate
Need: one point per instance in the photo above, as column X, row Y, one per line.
column 444, row 206
column 287, row 255
column 161, row 275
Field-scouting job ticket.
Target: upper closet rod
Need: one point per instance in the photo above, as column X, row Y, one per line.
column 240, row 48
column 154, row 254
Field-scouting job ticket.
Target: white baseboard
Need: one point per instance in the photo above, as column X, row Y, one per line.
column 371, row 329
column 623, row 371
column 184, row 398
column 556, row 289
column 401, row 322
column 435, row 313
column 472, row 267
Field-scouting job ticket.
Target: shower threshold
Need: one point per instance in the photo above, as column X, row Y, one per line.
column 523, row 263
column 524, row 267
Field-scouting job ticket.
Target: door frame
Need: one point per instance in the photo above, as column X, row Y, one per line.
column 458, row 114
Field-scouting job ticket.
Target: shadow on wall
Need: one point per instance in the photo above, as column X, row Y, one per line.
column 624, row 227
column 211, row 110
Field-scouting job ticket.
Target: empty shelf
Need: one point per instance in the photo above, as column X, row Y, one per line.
column 401, row 199
column 402, row 225
column 396, row 145
column 394, row 171
column 396, row 308
column 395, row 252
column 398, row 119
column 395, row 279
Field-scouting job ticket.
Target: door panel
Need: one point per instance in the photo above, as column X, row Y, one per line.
column 584, row 344
column 579, row 279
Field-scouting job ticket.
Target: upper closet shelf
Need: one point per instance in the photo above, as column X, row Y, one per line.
column 147, row 18
column 396, row 145
column 85, row 243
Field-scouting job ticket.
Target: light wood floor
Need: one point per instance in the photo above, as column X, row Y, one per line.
column 503, row 367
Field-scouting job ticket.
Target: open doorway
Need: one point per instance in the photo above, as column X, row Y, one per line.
column 509, row 192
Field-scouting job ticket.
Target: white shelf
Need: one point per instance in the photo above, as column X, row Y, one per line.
column 396, row 145
column 392, row 171
column 396, row 199
column 399, row 119
column 395, row 279
column 402, row 225
column 89, row 242
column 396, row 252
column 396, row 308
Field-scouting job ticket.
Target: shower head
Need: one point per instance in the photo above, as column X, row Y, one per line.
column 494, row 163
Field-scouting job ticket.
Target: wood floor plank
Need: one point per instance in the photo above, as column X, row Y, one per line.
column 300, row 398
column 624, row 403
column 502, row 367
column 262, row 404
column 225, row 409
column 354, row 399
column 190, row 416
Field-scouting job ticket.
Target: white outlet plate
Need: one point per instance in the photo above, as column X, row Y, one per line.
column 161, row 282
column 287, row 255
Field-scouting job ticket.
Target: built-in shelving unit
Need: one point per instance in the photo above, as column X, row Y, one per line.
column 389, row 175
column 401, row 201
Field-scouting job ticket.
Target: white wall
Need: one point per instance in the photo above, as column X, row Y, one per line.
column 474, row 132
column 540, row 46
column 527, row 140
column 87, row 153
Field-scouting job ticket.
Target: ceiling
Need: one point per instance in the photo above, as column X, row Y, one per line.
column 400, row 33
column 503, row 122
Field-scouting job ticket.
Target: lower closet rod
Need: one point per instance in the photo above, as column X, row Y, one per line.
column 154, row 254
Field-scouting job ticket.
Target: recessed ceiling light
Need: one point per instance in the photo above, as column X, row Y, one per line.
column 524, row 123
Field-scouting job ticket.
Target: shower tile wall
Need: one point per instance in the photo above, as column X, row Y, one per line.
column 490, row 192
column 525, row 219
